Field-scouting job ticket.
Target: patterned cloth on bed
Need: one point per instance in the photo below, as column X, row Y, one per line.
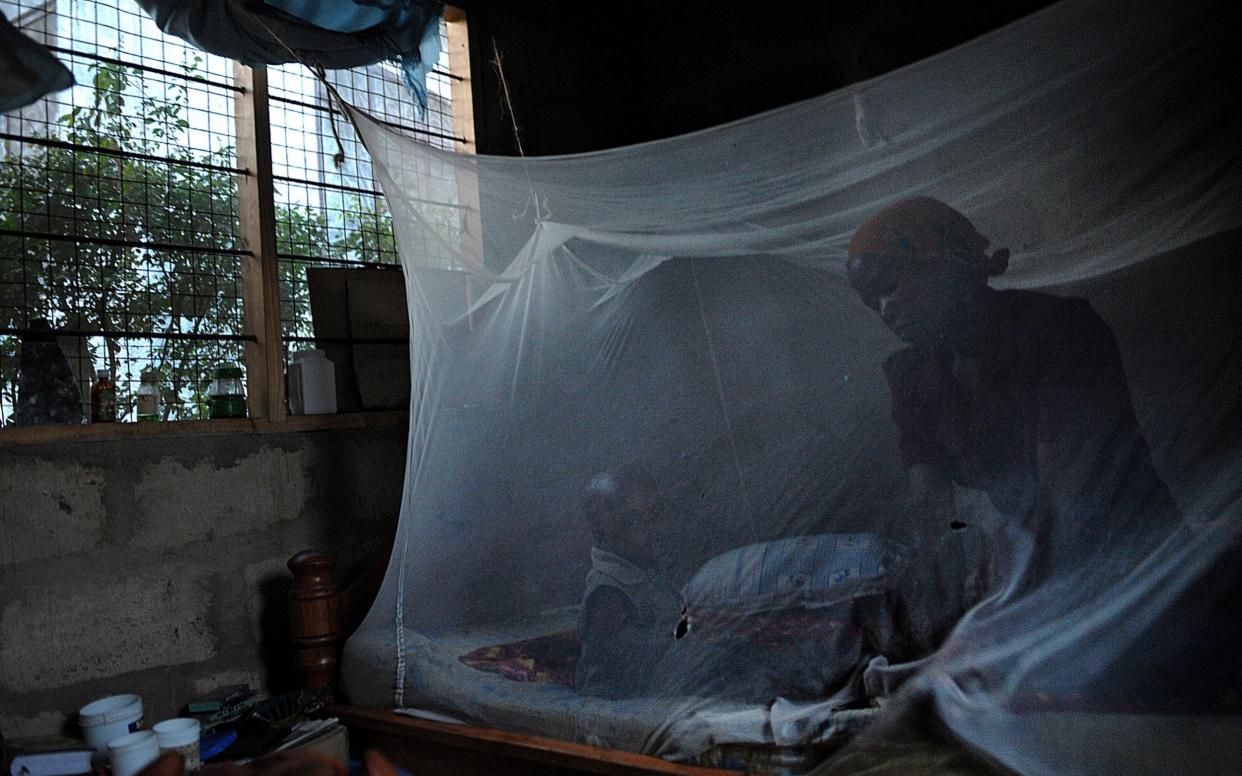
column 551, row 658
column 761, row 642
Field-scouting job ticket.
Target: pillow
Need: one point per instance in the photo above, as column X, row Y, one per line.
column 799, row 572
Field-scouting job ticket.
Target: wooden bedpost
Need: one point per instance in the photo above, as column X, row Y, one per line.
column 314, row 618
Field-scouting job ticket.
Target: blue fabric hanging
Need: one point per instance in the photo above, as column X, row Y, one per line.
column 367, row 15
column 416, row 68
column 350, row 16
column 341, row 34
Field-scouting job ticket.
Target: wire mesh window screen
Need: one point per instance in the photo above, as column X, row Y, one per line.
column 329, row 208
column 118, row 209
column 118, row 200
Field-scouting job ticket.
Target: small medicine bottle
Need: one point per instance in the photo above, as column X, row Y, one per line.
column 103, row 398
column 228, row 396
column 149, row 397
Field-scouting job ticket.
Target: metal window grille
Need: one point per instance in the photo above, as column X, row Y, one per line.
column 329, row 208
column 118, row 209
column 118, row 218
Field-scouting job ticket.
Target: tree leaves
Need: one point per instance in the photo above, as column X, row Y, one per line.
column 103, row 199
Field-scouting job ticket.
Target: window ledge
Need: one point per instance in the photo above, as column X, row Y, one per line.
column 102, row 432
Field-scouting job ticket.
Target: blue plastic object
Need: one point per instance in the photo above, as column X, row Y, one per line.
column 215, row 743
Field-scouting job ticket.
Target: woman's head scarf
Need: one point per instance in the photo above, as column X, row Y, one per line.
column 928, row 229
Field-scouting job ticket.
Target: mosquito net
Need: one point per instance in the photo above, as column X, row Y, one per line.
column 919, row 395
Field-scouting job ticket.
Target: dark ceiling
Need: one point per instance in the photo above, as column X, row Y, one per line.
column 586, row 75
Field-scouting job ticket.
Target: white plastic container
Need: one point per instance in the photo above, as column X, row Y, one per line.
column 107, row 719
column 180, row 735
column 132, row 752
column 312, row 383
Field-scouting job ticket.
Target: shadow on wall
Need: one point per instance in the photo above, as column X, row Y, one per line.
column 274, row 645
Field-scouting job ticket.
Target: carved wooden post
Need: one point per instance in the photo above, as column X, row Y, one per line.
column 314, row 617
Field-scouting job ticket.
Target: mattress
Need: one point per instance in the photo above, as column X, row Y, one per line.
column 423, row 675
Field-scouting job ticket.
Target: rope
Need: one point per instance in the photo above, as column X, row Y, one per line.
column 542, row 213
column 504, row 90
column 339, row 157
column 322, row 76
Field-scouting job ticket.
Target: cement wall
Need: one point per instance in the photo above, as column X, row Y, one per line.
column 157, row 565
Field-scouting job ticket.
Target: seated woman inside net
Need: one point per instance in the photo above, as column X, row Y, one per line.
column 1018, row 394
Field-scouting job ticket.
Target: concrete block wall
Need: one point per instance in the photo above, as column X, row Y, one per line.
column 157, row 565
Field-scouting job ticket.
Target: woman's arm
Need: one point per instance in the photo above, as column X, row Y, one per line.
column 916, row 380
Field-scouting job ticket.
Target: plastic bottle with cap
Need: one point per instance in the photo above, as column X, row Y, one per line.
column 312, row 383
column 103, row 398
column 149, row 397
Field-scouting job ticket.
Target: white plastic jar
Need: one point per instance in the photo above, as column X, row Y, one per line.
column 180, row 735
column 107, row 719
column 132, row 752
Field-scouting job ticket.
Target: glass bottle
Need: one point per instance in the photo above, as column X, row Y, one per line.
column 149, row 397
column 228, row 395
column 103, row 398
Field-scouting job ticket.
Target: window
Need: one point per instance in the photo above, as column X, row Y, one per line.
column 140, row 220
column 330, row 210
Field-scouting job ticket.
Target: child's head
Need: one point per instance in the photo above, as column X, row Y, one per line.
column 620, row 506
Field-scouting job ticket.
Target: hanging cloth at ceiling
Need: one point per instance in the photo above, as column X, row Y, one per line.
column 331, row 35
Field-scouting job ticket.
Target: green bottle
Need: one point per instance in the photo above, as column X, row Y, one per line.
column 228, row 396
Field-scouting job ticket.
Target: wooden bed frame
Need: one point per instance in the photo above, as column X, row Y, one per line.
column 321, row 617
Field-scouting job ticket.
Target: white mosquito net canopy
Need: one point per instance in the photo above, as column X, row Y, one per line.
column 756, row 437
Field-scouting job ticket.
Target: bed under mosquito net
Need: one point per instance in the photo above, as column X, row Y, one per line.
column 921, row 394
